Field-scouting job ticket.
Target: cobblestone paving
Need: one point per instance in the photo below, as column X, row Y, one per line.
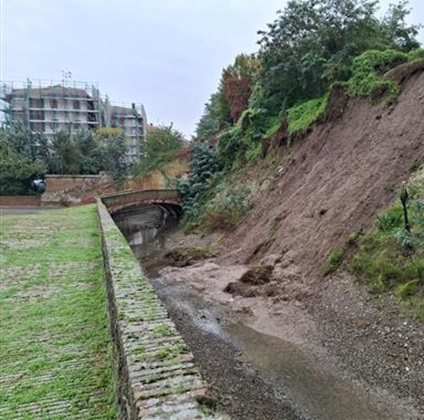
column 55, row 360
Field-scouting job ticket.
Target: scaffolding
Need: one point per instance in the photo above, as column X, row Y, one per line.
column 131, row 118
column 48, row 107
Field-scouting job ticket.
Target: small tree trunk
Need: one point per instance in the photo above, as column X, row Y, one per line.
column 404, row 200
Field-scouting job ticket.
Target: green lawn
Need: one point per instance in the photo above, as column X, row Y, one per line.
column 55, row 347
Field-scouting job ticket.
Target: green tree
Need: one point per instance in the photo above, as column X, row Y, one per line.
column 216, row 116
column 82, row 153
column 111, row 151
column 21, row 141
column 313, row 43
column 160, row 147
column 203, row 165
column 16, row 171
column 225, row 106
column 66, row 155
column 87, row 150
column 395, row 28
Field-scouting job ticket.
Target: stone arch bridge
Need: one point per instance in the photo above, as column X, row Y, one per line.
column 128, row 200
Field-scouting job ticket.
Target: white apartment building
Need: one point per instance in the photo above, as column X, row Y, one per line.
column 48, row 108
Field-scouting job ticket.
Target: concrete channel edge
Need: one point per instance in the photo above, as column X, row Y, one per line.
column 155, row 374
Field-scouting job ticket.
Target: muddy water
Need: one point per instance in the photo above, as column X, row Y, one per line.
column 311, row 389
column 254, row 375
column 311, row 392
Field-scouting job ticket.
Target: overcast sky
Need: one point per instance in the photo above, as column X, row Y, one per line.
column 166, row 54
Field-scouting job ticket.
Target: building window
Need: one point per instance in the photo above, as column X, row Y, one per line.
column 77, row 105
column 55, row 124
column 37, row 127
column 36, row 103
column 77, row 124
column 36, row 115
column 54, row 103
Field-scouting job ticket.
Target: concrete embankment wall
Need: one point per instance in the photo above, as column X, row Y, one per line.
column 154, row 371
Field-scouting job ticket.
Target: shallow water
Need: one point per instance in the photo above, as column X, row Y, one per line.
column 313, row 392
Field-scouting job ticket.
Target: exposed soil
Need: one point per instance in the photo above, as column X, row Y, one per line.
column 182, row 257
column 340, row 175
column 360, row 350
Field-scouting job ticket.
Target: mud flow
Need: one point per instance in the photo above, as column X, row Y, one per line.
column 253, row 375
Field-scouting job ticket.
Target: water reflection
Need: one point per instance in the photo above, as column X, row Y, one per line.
column 146, row 229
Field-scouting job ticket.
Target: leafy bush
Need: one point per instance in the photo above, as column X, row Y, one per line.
column 197, row 188
column 390, row 257
column 243, row 142
column 404, row 238
column 417, row 54
column 367, row 74
column 300, row 117
column 225, row 210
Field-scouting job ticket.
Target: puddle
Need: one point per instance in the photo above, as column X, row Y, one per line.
column 312, row 390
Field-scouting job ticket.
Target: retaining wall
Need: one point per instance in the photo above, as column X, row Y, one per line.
column 154, row 371
column 67, row 190
column 20, row 201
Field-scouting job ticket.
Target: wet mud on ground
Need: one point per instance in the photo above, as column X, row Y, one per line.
column 255, row 375
column 260, row 357
column 237, row 387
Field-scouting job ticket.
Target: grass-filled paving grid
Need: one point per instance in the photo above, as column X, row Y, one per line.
column 55, row 347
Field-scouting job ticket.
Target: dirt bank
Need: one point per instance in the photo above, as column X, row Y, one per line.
column 339, row 176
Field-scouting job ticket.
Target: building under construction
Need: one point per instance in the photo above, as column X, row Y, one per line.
column 48, row 107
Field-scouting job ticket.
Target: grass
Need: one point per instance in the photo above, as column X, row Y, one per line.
column 55, row 348
column 389, row 258
column 161, row 331
column 334, row 261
